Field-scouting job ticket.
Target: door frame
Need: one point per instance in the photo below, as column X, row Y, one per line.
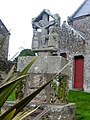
column 76, row 58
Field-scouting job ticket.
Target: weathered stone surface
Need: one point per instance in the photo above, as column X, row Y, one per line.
column 4, row 41
column 54, row 93
column 54, row 112
column 71, row 41
column 48, row 29
column 53, row 37
column 36, row 42
column 87, row 73
column 59, row 90
column 47, row 64
column 83, row 25
column 33, row 82
column 64, row 112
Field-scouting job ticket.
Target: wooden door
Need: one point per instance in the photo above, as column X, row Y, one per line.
column 78, row 72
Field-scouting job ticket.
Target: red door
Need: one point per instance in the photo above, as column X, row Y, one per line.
column 78, row 72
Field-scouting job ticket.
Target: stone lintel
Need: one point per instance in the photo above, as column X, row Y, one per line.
column 51, row 49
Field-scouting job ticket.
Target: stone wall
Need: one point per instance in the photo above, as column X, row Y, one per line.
column 4, row 49
column 73, row 44
column 83, row 25
column 71, row 41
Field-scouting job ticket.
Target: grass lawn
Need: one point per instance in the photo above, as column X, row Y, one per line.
column 82, row 101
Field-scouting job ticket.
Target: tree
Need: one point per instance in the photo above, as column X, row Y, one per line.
column 27, row 52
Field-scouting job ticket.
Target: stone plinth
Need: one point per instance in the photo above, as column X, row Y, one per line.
column 46, row 64
column 43, row 70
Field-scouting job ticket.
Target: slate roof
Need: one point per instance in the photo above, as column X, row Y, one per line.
column 3, row 27
column 83, row 10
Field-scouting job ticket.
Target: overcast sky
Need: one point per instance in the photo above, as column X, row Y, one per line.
column 17, row 15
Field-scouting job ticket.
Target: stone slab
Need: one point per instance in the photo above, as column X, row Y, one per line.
column 46, row 64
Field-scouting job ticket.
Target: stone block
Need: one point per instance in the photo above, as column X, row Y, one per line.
column 35, row 44
column 46, row 64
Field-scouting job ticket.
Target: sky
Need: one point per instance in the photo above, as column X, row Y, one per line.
column 17, row 16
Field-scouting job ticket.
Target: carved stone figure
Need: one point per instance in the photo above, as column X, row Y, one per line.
column 45, row 34
column 53, row 37
column 36, row 39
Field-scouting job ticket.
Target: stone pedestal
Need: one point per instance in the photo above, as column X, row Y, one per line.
column 43, row 70
column 53, row 100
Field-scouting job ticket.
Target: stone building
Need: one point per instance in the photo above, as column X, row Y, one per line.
column 5, row 65
column 80, row 21
column 4, row 39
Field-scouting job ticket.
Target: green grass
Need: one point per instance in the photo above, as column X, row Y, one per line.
column 82, row 101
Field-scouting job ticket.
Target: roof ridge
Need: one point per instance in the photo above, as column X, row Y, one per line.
column 5, row 27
